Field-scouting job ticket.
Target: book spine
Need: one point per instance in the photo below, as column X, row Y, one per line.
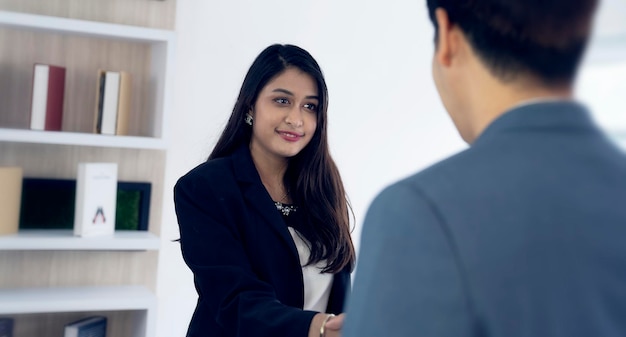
column 6, row 327
column 97, row 125
column 56, row 93
column 124, row 104
column 95, row 326
column 10, row 199
column 110, row 103
column 47, row 98
column 40, row 97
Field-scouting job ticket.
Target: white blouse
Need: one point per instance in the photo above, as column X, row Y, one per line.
column 316, row 285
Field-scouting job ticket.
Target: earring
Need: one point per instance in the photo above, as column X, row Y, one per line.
column 249, row 119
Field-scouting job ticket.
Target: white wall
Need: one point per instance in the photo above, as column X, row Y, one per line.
column 602, row 80
column 385, row 118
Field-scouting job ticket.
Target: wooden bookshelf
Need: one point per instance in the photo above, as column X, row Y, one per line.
column 55, row 277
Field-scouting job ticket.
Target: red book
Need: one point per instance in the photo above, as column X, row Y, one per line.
column 47, row 101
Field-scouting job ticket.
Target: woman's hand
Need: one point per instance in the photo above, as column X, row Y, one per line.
column 332, row 328
column 334, row 325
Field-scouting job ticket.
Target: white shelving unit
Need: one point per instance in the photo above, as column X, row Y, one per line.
column 156, row 80
column 52, row 239
column 82, row 299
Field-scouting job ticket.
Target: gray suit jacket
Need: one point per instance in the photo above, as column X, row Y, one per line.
column 523, row 234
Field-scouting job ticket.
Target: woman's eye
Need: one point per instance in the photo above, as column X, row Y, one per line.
column 311, row 106
column 281, row 101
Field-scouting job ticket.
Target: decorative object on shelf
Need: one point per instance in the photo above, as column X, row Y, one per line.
column 94, row 326
column 50, row 204
column 113, row 102
column 6, row 327
column 47, row 99
column 10, row 196
column 96, row 195
column 133, row 206
column 47, row 203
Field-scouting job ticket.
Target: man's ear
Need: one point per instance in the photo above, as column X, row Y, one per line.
column 445, row 38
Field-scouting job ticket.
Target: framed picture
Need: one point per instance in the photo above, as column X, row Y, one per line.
column 133, row 205
column 50, row 203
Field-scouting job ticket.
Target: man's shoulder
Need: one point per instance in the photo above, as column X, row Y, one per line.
column 443, row 175
column 447, row 169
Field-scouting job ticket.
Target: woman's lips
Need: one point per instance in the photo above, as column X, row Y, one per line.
column 290, row 136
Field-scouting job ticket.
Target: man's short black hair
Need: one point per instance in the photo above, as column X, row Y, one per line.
column 544, row 38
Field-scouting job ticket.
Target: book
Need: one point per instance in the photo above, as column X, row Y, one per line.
column 11, row 187
column 123, row 104
column 94, row 326
column 109, row 98
column 6, row 327
column 47, row 98
column 113, row 103
column 96, row 195
column 50, row 204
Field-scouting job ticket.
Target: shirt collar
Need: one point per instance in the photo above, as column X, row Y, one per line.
column 540, row 114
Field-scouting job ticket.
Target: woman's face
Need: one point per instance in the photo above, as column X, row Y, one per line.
column 285, row 115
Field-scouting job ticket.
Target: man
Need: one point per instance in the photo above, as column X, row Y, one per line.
column 522, row 234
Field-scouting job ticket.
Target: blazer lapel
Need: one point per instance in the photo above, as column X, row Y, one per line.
column 256, row 195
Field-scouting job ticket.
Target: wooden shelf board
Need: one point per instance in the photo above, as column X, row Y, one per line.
column 53, row 239
column 75, row 299
column 83, row 27
column 81, row 139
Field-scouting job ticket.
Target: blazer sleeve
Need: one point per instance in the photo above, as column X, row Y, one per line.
column 407, row 282
column 212, row 248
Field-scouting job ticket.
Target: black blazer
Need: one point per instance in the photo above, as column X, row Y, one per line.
column 246, row 267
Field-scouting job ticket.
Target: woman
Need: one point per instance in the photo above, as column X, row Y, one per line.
column 265, row 222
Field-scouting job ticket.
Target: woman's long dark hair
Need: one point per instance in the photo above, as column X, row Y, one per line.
column 312, row 176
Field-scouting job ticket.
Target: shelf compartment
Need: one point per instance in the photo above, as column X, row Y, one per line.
column 18, row 301
column 83, row 47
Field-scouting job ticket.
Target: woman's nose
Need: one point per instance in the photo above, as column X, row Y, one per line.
column 294, row 117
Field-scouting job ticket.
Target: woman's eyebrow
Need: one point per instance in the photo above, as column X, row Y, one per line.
column 287, row 92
